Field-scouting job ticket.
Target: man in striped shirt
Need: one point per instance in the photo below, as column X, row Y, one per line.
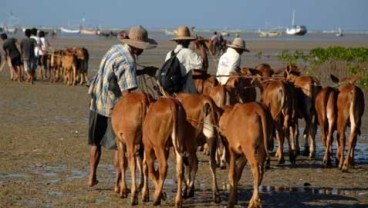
column 115, row 78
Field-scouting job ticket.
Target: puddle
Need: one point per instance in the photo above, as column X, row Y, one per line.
column 314, row 190
column 55, row 193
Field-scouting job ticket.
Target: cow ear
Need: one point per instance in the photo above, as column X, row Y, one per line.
column 253, row 71
column 334, row 78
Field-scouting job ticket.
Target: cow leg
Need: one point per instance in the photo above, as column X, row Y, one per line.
column 341, row 124
column 285, row 129
column 162, row 172
column 120, row 185
column 232, row 180
column 132, row 166
column 145, row 190
column 140, row 169
column 280, row 140
column 179, row 178
column 213, row 152
column 240, row 164
column 294, row 132
column 312, row 138
column 349, row 160
column 257, row 178
column 329, row 140
column 74, row 75
column 193, row 164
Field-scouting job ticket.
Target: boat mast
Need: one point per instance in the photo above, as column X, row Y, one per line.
column 293, row 19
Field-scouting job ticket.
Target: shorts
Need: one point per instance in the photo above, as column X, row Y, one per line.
column 100, row 131
column 16, row 61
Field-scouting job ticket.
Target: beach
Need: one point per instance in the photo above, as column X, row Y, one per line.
column 44, row 151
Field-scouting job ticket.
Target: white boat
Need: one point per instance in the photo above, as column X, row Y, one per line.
column 88, row 32
column 70, row 31
column 11, row 30
column 168, row 32
column 339, row 33
column 296, row 29
column 271, row 34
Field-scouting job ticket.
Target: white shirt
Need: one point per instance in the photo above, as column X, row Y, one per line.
column 44, row 46
column 229, row 62
column 188, row 58
column 38, row 45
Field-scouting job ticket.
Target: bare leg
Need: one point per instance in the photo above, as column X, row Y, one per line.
column 94, row 159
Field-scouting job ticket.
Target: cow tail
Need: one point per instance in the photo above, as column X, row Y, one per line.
column 178, row 135
column 356, row 95
column 267, row 128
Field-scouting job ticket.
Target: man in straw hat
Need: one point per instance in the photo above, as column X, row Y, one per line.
column 115, row 78
column 188, row 58
column 229, row 62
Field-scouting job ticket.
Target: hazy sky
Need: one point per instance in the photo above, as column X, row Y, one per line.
column 231, row 14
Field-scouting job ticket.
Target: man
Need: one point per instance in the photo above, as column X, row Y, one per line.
column 188, row 58
column 43, row 50
column 229, row 62
column 115, row 78
column 37, row 49
column 12, row 56
column 27, row 46
column 217, row 40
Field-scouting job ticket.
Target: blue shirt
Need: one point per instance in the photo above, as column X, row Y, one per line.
column 117, row 73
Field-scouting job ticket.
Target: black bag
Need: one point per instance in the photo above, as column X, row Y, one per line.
column 169, row 76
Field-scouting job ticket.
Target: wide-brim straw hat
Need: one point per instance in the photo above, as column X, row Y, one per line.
column 238, row 43
column 183, row 33
column 138, row 38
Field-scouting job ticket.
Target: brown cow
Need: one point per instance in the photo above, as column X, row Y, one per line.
column 279, row 100
column 127, row 120
column 203, row 81
column 306, row 88
column 242, row 88
column 56, row 65
column 326, row 110
column 350, row 108
column 202, row 115
column 164, row 126
column 69, row 63
column 82, row 56
column 248, row 129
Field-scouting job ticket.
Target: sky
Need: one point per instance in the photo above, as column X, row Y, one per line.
column 206, row 14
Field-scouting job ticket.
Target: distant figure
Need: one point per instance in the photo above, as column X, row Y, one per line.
column 37, row 49
column 44, row 47
column 217, row 41
column 230, row 61
column 188, row 58
column 12, row 57
column 27, row 46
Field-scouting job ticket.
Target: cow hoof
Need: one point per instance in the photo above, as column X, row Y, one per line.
column 145, row 198
column 281, row 161
column 157, row 202
column 306, row 151
column 135, row 200
column 117, row 189
column 164, row 196
column 191, row 192
column 217, row 198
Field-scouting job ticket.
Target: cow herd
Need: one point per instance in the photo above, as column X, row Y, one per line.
column 69, row 65
column 237, row 124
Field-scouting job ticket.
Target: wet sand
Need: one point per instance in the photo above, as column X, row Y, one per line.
column 44, row 151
